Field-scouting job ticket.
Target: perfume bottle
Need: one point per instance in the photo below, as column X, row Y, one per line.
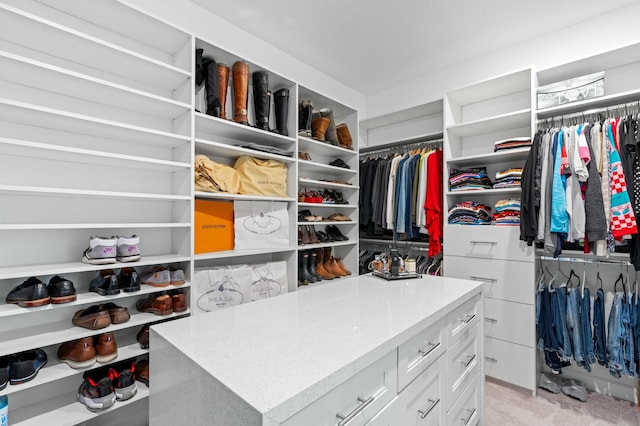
column 395, row 260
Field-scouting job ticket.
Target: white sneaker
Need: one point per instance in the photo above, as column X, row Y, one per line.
column 128, row 249
column 101, row 251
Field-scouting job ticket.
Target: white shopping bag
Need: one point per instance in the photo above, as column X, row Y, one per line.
column 268, row 280
column 261, row 224
column 217, row 288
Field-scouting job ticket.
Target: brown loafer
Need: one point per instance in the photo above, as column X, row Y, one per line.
column 156, row 304
column 118, row 314
column 93, row 318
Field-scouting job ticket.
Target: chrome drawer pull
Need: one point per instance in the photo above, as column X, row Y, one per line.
column 491, row 320
column 474, row 278
column 493, row 243
column 491, row 359
column 432, row 405
column 467, row 318
column 468, row 361
column 363, row 404
column 428, row 349
column 471, row 413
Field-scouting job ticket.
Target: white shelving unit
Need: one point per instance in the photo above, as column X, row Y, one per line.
column 316, row 173
column 95, row 139
column 475, row 117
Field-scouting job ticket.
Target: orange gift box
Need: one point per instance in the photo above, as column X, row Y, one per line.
column 213, row 226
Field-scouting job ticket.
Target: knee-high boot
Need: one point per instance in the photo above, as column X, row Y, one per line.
column 261, row 99
column 223, row 83
column 281, row 104
column 240, row 72
column 211, row 85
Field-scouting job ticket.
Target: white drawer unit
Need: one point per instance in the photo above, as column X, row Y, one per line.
column 388, row 416
column 461, row 319
column 357, row 400
column 422, row 402
column 467, row 411
column 510, row 362
column 462, row 363
column 503, row 279
column 487, row 242
column 500, row 317
column 419, row 352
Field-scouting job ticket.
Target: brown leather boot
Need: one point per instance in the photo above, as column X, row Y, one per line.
column 328, row 263
column 344, row 137
column 337, row 268
column 223, row 83
column 240, row 91
column 341, row 266
column 319, row 126
column 324, row 274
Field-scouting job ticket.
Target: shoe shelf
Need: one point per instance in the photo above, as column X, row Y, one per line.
column 323, row 184
column 210, row 127
column 71, row 192
column 509, row 155
column 24, row 271
column 54, row 370
column 53, row 333
column 308, row 144
column 328, row 222
column 240, row 253
column 227, row 196
column 86, row 299
column 329, row 205
column 17, row 147
column 32, row 226
column 60, row 411
column 327, row 244
column 68, row 44
column 217, row 149
column 305, row 166
column 55, row 119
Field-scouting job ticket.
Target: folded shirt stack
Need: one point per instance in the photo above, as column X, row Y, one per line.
column 507, row 212
column 509, row 178
column 470, row 213
column 268, row 148
column 512, row 143
column 465, row 179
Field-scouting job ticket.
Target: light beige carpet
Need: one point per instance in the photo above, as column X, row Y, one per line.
column 507, row 406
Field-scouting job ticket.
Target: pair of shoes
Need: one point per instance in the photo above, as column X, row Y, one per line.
column 339, row 217
column 306, row 216
column 307, row 267
column 100, row 389
column 312, row 197
column 304, row 156
column 100, row 316
column 335, row 233
column 21, row 367
column 164, row 303
column 333, row 197
column 103, row 250
column 34, row 292
column 329, row 267
column 84, row 352
column 307, row 234
column 339, row 162
column 142, row 371
column 161, row 276
column 107, row 283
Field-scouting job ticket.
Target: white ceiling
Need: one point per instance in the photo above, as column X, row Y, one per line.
column 372, row 45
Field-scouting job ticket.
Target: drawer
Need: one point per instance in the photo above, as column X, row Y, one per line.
column 357, row 400
column 388, row 416
column 416, row 354
column 461, row 319
column 510, row 321
column 422, row 402
column 510, row 362
column 503, row 279
column 487, row 242
column 468, row 410
column 463, row 360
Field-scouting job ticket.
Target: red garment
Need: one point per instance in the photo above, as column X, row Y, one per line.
column 433, row 202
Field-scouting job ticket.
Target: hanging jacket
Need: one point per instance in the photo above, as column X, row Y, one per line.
column 595, row 220
column 528, row 211
column 623, row 221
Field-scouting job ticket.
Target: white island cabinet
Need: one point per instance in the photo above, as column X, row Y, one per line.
column 362, row 351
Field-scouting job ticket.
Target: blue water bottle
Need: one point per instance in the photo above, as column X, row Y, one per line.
column 4, row 410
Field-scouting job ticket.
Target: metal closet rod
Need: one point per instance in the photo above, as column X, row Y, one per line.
column 391, row 245
column 585, row 260
column 403, row 148
column 612, row 110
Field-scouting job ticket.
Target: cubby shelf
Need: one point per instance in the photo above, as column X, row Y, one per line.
column 308, row 144
column 231, row 131
column 312, row 167
column 328, row 205
column 239, row 253
column 28, row 226
column 324, row 184
column 493, row 191
column 327, row 244
column 515, row 119
column 227, row 196
column 515, row 154
column 72, row 192
column 217, row 149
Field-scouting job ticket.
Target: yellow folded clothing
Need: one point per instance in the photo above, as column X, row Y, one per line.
column 215, row 177
column 261, row 177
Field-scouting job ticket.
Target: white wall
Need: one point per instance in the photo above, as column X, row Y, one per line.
column 609, row 31
column 194, row 19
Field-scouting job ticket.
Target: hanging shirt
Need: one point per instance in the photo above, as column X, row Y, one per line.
column 623, row 221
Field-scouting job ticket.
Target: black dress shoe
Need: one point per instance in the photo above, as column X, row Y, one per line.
column 335, row 233
column 128, row 280
column 338, row 197
column 30, row 293
column 61, row 290
column 339, row 163
column 105, row 284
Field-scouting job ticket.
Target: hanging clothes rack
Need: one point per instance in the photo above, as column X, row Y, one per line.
column 586, row 260
column 595, row 114
column 400, row 149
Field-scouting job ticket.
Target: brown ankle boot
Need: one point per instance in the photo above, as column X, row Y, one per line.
column 223, row 83
column 337, row 268
column 344, row 136
column 324, row 274
column 240, row 91
column 319, row 126
column 328, row 263
column 341, row 266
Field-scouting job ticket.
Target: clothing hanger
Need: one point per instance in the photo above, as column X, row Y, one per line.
column 621, row 280
column 571, row 275
column 584, row 282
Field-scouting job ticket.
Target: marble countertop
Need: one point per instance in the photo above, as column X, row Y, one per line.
column 282, row 353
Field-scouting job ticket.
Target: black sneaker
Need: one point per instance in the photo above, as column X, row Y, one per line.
column 30, row 293
column 96, row 395
column 5, row 361
column 123, row 381
column 61, row 290
column 25, row 365
column 105, row 284
column 128, row 280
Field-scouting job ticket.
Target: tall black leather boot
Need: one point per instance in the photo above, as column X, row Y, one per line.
column 302, row 278
column 312, row 265
column 210, row 69
column 261, row 99
column 305, row 108
column 281, row 104
column 199, row 73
